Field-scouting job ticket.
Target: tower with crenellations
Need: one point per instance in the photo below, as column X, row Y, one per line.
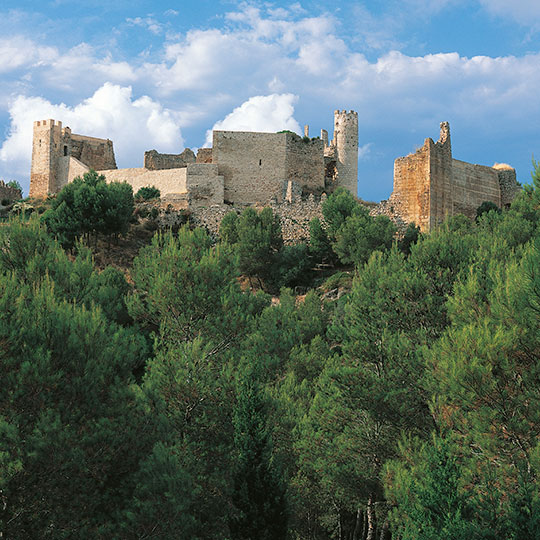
column 47, row 147
column 58, row 154
column 345, row 143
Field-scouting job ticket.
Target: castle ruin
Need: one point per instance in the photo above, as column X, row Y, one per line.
column 246, row 168
column 430, row 185
column 240, row 168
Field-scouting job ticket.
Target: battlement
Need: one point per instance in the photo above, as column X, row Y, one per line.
column 345, row 112
column 255, row 166
column 49, row 123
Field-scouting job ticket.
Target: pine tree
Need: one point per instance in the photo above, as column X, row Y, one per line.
column 259, row 496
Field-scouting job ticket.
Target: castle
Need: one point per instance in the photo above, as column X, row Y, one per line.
column 246, row 168
column 240, row 168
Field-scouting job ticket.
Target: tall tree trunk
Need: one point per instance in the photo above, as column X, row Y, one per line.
column 358, row 524
column 385, row 532
column 372, row 525
column 365, row 527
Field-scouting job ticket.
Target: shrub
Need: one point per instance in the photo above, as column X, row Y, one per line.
column 146, row 193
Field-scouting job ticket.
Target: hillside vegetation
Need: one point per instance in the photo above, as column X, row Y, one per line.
column 179, row 400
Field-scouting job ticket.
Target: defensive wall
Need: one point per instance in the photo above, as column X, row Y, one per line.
column 240, row 168
column 430, row 185
column 249, row 168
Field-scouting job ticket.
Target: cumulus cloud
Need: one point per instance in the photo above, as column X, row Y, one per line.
column 134, row 125
column 260, row 113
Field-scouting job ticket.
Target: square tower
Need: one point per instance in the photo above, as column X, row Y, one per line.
column 47, row 151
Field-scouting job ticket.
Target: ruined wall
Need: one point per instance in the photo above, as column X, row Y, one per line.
column 98, row 154
column 472, row 185
column 204, row 185
column 155, row 161
column 9, row 193
column 441, row 177
column 430, row 185
column 252, row 165
column 305, row 162
column 411, row 196
column 204, row 155
column 166, row 180
column 294, row 218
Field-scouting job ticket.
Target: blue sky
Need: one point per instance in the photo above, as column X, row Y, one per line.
column 151, row 74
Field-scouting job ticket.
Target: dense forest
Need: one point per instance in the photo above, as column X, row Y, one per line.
column 356, row 387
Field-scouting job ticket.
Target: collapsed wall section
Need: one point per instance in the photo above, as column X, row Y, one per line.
column 98, row 154
column 410, row 199
column 155, row 161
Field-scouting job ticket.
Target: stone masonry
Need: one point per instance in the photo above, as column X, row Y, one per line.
column 241, row 167
column 431, row 185
column 283, row 170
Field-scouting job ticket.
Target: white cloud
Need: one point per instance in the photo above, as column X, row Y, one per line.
column 149, row 23
column 364, row 151
column 134, row 125
column 527, row 12
column 260, row 113
column 18, row 51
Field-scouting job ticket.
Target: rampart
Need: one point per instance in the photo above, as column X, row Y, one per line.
column 430, row 185
column 240, row 168
column 154, row 161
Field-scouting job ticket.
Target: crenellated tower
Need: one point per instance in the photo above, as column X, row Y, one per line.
column 47, row 150
column 346, row 149
column 58, row 155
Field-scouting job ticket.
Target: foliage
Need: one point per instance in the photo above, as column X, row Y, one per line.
column 15, row 185
column 350, row 230
column 89, row 206
column 70, row 421
column 407, row 405
column 147, row 193
column 428, row 493
column 258, row 495
column 486, row 206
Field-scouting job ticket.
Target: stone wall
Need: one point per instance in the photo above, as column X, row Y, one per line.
column 155, row 161
column 294, row 218
column 430, row 185
column 305, row 163
column 411, row 196
column 167, row 180
column 253, row 165
column 9, row 193
column 98, row 154
column 472, row 185
column 204, row 185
